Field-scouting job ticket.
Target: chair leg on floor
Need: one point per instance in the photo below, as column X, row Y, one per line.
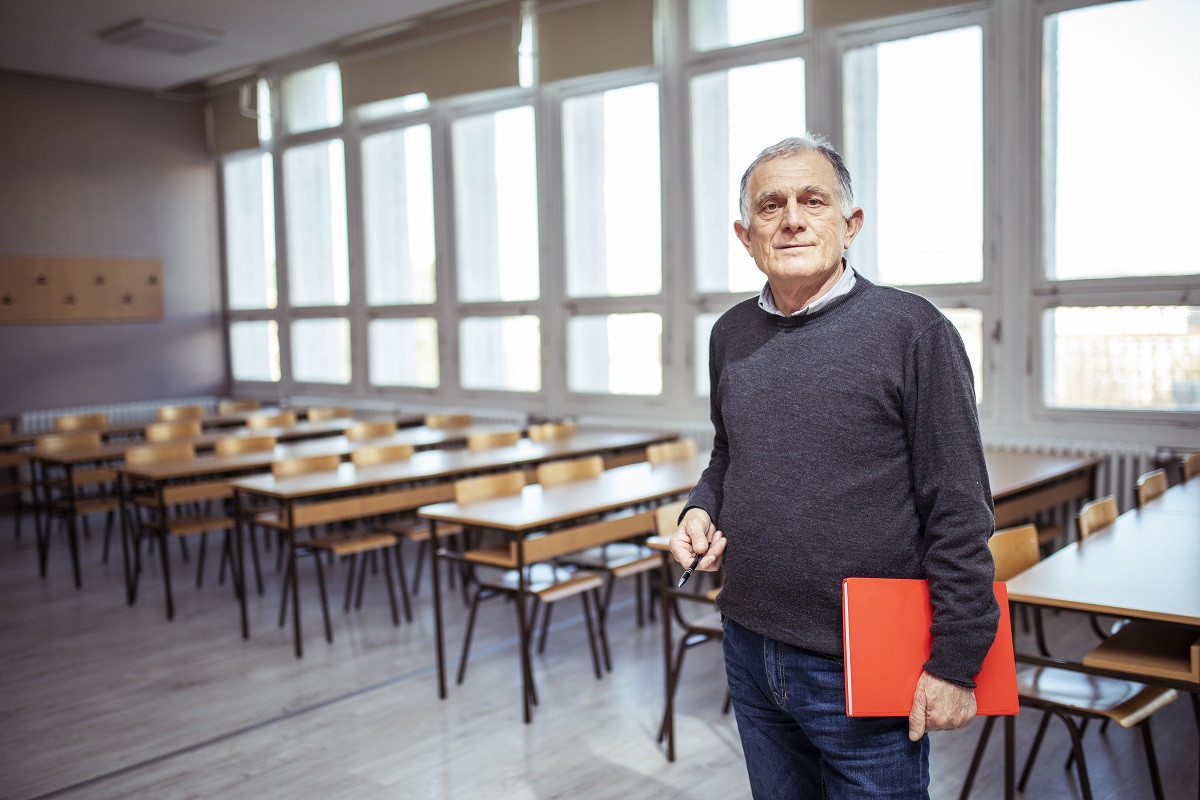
column 324, row 597
column 403, row 581
column 467, row 632
column 1151, row 760
column 391, row 589
column 591, row 634
column 203, row 550
column 969, row 781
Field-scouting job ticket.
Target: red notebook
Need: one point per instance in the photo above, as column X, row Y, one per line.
column 885, row 632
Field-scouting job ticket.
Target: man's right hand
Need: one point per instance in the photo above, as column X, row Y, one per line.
column 697, row 534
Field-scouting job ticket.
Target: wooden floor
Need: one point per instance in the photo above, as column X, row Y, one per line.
column 102, row 700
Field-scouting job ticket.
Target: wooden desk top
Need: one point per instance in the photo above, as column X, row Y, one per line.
column 1144, row 565
column 537, row 507
column 441, row 464
column 1012, row 472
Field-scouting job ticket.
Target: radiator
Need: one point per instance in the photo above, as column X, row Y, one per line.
column 42, row 420
column 1120, row 466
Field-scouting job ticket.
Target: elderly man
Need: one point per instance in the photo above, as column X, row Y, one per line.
column 846, row 444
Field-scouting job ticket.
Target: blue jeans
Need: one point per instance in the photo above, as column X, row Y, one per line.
column 790, row 706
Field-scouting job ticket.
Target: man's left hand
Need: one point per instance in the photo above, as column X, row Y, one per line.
column 939, row 705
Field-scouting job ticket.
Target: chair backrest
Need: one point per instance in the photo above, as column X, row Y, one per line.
column 666, row 517
column 1014, row 550
column 176, row 413
column 547, row 431
column 677, row 450
column 486, row 441
column 381, row 454
column 448, row 420
column 159, row 453
column 321, row 413
column 173, row 431
column 372, row 429
column 1096, row 515
column 1191, row 466
column 304, row 465
column 575, row 469
column 486, row 487
column 236, row 445
column 1151, row 485
column 79, row 422
column 225, row 407
column 5, row 428
column 62, row 442
column 284, row 419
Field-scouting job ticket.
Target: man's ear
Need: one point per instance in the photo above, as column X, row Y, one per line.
column 742, row 234
column 854, row 224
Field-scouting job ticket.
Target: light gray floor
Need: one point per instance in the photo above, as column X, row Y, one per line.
column 102, row 700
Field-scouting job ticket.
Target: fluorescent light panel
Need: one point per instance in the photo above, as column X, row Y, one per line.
column 162, row 37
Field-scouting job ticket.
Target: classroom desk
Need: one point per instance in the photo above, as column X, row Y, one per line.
column 437, row 466
column 537, row 508
column 1182, row 498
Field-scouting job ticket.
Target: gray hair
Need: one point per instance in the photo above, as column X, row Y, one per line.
column 797, row 145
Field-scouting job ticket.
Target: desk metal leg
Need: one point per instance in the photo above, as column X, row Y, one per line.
column 72, row 526
column 239, row 578
column 290, row 543
column 1010, row 756
column 668, row 678
column 125, row 496
column 437, row 609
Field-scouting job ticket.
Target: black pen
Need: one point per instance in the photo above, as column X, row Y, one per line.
column 687, row 573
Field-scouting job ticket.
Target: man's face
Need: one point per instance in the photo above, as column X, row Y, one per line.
column 797, row 233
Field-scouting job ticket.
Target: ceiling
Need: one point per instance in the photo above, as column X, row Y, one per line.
column 60, row 38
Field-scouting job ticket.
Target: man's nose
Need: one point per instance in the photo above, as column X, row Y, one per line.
column 793, row 216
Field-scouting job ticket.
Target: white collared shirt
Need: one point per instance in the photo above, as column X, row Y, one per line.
column 766, row 300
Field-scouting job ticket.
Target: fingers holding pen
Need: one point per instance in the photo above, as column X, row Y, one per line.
column 698, row 535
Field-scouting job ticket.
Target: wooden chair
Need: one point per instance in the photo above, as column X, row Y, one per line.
column 696, row 630
column 227, row 408
column 12, row 464
column 259, row 421
column 173, row 431
column 1067, row 694
column 381, row 454
column 237, row 445
column 178, row 413
column 372, row 429
column 492, row 439
column 665, row 452
column 322, row 413
column 175, row 511
column 448, row 420
column 613, row 559
column 1099, row 513
column 1191, row 466
column 548, row 431
column 1151, row 485
column 81, row 491
column 347, row 545
column 79, row 422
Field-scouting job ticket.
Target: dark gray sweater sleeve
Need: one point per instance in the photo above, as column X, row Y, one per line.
column 954, row 501
column 709, row 491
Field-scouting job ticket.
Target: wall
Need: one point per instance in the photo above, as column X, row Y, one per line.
column 108, row 174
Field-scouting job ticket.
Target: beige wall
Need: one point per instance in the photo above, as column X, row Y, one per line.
column 98, row 173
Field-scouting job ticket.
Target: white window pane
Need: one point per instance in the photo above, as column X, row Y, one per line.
column 615, row 354
column 914, row 147
column 398, row 216
column 382, row 109
column 250, row 232
column 254, row 350
column 314, row 190
column 613, row 215
column 495, row 205
column 1136, row 358
column 313, row 98
column 502, row 353
column 727, row 23
column 404, row 352
column 263, row 90
column 1145, row 99
column 321, row 350
column 735, row 114
column 703, row 331
column 969, row 322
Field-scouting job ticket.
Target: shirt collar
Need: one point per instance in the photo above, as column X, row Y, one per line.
column 766, row 300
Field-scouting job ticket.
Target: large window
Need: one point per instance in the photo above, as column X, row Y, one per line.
column 914, row 146
column 1120, row 154
column 404, row 352
column 314, row 181
column 611, row 198
column 250, row 232
column 398, row 216
column 495, row 206
column 615, row 354
column 254, row 350
column 735, row 114
column 728, row 23
column 501, row 353
column 321, row 350
column 313, row 98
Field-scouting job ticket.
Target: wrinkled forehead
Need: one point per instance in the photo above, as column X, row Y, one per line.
column 794, row 172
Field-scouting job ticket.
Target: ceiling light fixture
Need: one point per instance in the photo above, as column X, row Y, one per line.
column 162, row 37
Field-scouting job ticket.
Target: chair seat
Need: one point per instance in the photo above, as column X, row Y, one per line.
column 1124, row 702
column 549, row 583
column 418, row 530
column 184, row 526
column 1143, row 647
column 351, row 545
column 94, row 505
column 619, row 558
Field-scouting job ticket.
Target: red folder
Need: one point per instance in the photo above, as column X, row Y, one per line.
column 885, row 632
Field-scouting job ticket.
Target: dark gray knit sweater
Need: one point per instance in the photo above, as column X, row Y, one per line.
column 847, row 444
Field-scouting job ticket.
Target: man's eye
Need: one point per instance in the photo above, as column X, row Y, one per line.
column 770, row 206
